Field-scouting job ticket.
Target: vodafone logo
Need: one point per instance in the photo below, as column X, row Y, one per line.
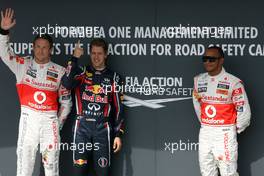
column 210, row 111
column 238, row 91
column 40, row 97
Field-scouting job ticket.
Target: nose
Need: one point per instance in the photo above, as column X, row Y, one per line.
column 41, row 51
column 96, row 56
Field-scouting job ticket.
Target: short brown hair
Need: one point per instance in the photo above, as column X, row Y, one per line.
column 99, row 42
column 45, row 37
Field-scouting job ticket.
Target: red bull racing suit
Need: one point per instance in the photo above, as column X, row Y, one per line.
column 39, row 91
column 99, row 115
column 222, row 107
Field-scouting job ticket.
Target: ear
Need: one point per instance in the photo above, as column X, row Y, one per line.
column 222, row 60
column 105, row 55
column 51, row 50
column 105, row 60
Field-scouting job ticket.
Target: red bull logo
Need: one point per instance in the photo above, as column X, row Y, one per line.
column 80, row 162
column 95, row 89
column 95, row 98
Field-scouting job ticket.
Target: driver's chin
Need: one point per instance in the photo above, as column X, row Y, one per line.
column 209, row 69
column 97, row 65
column 42, row 58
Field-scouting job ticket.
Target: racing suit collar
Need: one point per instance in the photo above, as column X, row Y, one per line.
column 40, row 66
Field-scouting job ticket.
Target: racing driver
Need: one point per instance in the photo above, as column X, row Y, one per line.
column 99, row 109
column 221, row 104
column 39, row 89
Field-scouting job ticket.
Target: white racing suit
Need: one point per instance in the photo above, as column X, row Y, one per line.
column 222, row 107
column 39, row 89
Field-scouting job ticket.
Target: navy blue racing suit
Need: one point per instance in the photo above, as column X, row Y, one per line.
column 99, row 117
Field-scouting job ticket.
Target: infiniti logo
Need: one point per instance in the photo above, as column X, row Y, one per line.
column 93, row 106
column 102, row 162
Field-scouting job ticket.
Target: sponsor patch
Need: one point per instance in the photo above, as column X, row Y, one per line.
column 89, row 74
column 80, row 162
column 95, row 98
column 89, row 82
column 239, row 108
column 103, row 162
column 95, row 89
column 52, row 74
column 223, row 86
column 45, row 157
column 224, row 82
column 213, row 98
column 237, row 92
column 122, row 97
column 53, row 69
column 20, row 60
column 64, row 92
column 66, row 97
column 202, row 84
column 202, row 89
column 106, row 81
column 238, row 98
column 240, row 103
column 221, row 91
column 49, row 78
column 196, row 95
column 32, row 73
